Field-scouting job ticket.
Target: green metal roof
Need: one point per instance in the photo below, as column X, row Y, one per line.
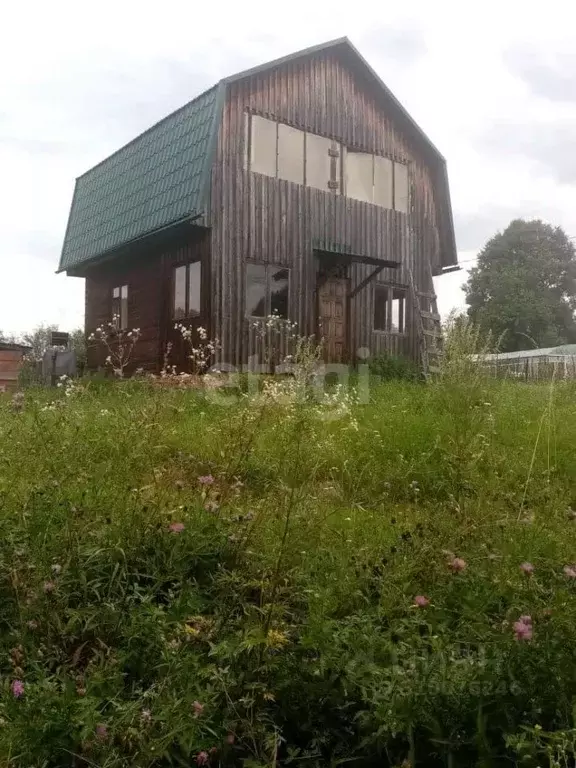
column 162, row 177
column 156, row 180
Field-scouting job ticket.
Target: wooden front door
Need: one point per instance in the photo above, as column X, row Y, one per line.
column 332, row 298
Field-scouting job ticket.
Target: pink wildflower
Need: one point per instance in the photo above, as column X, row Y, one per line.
column 421, row 602
column 198, row 708
column 17, row 689
column 206, row 480
column 177, row 527
column 570, row 571
column 527, row 568
column 202, row 758
column 49, row 586
column 523, row 628
column 457, row 564
column 101, row 731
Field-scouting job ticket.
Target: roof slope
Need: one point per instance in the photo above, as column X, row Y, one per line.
column 162, row 176
column 156, row 180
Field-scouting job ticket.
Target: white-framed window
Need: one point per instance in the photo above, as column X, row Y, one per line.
column 390, row 308
column 120, row 306
column 187, row 290
column 267, row 288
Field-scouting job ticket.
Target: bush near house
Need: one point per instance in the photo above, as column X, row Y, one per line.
column 186, row 580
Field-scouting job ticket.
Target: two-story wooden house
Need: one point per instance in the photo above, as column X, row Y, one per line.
column 301, row 187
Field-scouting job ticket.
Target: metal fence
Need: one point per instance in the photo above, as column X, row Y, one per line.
column 533, row 368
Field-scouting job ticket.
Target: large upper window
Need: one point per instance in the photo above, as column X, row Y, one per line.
column 389, row 308
column 186, row 290
column 284, row 152
column 120, row 306
column 266, row 291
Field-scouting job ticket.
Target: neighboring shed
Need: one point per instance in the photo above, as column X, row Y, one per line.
column 11, row 357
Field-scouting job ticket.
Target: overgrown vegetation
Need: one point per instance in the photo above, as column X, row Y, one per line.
column 197, row 577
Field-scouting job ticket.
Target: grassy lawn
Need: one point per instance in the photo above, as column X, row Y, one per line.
column 199, row 580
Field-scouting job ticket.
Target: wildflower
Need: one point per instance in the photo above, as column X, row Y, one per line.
column 17, row 688
column 32, row 624
column 211, row 506
column 206, row 480
column 202, row 758
column 527, row 568
column 56, row 569
column 570, row 571
column 18, row 402
column 457, row 564
column 49, row 587
column 276, row 639
column 80, row 690
column 177, row 527
column 179, row 484
column 421, row 602
column 145, row 716
column 198, row 708
column 101, row 731
column 523, row 628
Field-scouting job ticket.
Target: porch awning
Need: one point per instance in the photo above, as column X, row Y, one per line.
column 344, row 252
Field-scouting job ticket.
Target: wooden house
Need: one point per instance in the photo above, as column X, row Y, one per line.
column 300, row 188
column 11, row 359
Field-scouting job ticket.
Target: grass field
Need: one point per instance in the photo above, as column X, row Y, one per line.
column 269, row 582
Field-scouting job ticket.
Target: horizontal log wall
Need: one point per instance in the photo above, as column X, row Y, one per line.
column 257, row 217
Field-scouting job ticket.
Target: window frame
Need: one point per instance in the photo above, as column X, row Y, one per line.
column 187, row 315
column 268, row 268
column 120, row 307
column 390, row 289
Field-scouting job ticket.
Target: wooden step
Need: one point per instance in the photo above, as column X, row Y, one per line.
column 430, row 316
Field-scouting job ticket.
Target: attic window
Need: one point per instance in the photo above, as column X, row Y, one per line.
column 120, row 307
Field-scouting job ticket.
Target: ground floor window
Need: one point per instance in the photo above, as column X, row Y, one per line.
column 266, row 290
column 120, row 306
column 186, row 290
column 390, row 304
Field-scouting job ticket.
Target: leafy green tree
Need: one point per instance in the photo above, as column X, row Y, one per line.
column 523, row 288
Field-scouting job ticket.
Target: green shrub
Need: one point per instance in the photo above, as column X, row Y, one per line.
column 390, row 367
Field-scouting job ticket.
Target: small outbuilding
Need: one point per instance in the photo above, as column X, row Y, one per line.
column 11, row 357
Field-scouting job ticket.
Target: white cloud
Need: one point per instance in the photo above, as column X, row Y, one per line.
column 77, row 81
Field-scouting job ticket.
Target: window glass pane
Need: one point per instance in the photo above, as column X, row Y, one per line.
column 263, row 155
column 398, row 311
column 124, row 307
column 401, row 187
column 359, row 176
column 194, row 282
column 116, row 293
column 317, row 161
column 290, row 154
column 380, row 307
column 279, row 282
column 383, row 181
column 256, row 290
column 179, row 308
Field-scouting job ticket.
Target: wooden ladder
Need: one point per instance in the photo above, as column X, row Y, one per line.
column 429, row 325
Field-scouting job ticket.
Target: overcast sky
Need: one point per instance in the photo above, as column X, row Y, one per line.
column 492, row 84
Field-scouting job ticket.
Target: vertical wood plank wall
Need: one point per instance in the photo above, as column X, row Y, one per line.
column 257, row 217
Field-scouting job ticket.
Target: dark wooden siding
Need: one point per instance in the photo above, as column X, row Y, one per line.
column 148, row 275
column 256, row 217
